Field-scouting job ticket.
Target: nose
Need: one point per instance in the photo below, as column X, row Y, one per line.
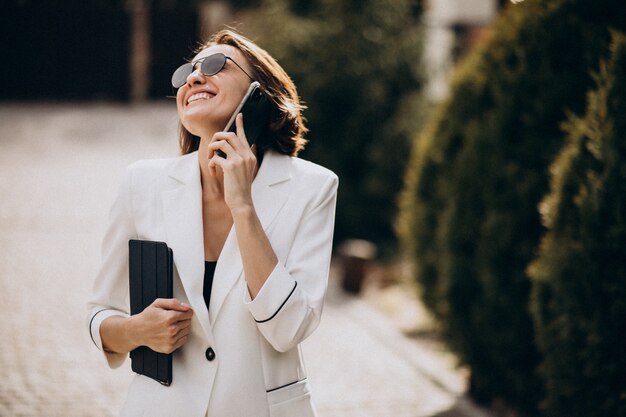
column 196, row 77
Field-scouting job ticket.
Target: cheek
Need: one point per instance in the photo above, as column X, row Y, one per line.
column 179, row 102
column 231, row 102
column 183, row 115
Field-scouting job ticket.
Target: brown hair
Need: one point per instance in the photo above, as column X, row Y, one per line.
column 285, row 132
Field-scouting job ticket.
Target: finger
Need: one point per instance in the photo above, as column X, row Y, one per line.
column 184, row 331
column 214, row 149
column 241, row 133
column 228, row 145
column 218, row 136
column 215, row 163
column 182, row 316
column 212, row 169
column 174, row 316
column 184, row 324
column 243, row 143
column 180, row 342
column 224, row 146
column 212, row 165
column 171, row 304
column 229, row 137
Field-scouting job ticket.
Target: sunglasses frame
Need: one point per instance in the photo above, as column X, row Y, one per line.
column 206, row 74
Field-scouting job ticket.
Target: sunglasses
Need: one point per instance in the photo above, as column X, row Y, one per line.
column 209, row 65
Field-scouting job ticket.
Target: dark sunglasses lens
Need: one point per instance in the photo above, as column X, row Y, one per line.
column 213, row 64
column 179, row 78
column 210, row 65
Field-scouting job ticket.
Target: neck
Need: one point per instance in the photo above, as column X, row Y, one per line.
column 212, row 186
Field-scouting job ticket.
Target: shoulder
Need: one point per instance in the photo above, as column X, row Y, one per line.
column 311, row 178
column 297, row 169
column 307, row 183
column 154, row 170
column 147, row 166
column 308, row 168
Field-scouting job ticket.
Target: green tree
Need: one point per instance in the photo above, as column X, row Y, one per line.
column 580, row 275
column 357, row 67
column 469, row 210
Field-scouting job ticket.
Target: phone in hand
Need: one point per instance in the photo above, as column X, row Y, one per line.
column 255, row 107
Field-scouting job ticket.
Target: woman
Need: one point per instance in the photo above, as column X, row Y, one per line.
column 258, row 216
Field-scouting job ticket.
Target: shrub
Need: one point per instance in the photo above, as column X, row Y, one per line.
column 478, row 171
column 579, row 300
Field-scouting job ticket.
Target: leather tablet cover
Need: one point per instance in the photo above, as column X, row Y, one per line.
column 150, row 267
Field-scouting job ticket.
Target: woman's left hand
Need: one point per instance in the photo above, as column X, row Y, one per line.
column 239, row 167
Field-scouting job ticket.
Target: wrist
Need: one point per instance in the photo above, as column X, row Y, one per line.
column 131, row 332
column 242, row 212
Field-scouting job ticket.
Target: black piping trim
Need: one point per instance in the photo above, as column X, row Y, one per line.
column 286, row 385
column 91, row 321
column 281, row 306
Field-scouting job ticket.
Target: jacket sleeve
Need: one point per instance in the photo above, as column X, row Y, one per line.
column 110, row 287
column 289, row 305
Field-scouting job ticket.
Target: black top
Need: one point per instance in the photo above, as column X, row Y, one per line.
column 209, row 271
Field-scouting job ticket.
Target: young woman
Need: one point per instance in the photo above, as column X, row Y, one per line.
column 251, row 233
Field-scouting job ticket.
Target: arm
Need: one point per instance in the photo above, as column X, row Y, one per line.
column 285, row 297
column 257, row 254
column 239, row 170
column 288, row 307
column 163, row 326
column 110, row 287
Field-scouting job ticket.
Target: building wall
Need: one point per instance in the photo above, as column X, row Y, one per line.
column 452, row 28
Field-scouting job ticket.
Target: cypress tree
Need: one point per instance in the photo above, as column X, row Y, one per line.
column 478, row 171
column 579, row 300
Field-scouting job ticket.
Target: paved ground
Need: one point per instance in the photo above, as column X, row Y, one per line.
column 60, row 166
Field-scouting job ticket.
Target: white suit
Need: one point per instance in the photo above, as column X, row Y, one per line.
column 257, row 369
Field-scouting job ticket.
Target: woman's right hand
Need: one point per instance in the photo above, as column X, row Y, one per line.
column 163, row 326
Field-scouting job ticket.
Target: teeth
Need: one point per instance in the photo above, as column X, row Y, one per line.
column 198, row 96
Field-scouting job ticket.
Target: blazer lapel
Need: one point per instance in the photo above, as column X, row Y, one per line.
column 182, row 211
column 268, row 201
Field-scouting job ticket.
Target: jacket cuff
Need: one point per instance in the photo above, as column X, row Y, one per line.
column 114, row 360
column 273, row 295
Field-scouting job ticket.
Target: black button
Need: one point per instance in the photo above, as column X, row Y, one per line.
column 210, row 354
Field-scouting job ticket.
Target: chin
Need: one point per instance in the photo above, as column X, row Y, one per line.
column 201, row 122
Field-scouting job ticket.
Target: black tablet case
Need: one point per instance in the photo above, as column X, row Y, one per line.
column 150, row 277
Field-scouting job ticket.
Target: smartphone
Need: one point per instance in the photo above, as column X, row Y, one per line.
column 255, row 107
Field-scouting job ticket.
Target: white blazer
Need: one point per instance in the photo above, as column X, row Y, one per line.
column 257, row 370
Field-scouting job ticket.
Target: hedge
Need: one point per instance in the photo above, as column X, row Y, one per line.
column 579, row 295
column 479, row 169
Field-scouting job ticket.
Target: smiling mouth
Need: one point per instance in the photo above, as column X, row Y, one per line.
column 199, row 96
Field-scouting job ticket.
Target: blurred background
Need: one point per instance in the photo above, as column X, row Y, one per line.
column 481, row 208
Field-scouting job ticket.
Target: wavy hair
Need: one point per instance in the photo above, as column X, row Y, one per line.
column 285, row 130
